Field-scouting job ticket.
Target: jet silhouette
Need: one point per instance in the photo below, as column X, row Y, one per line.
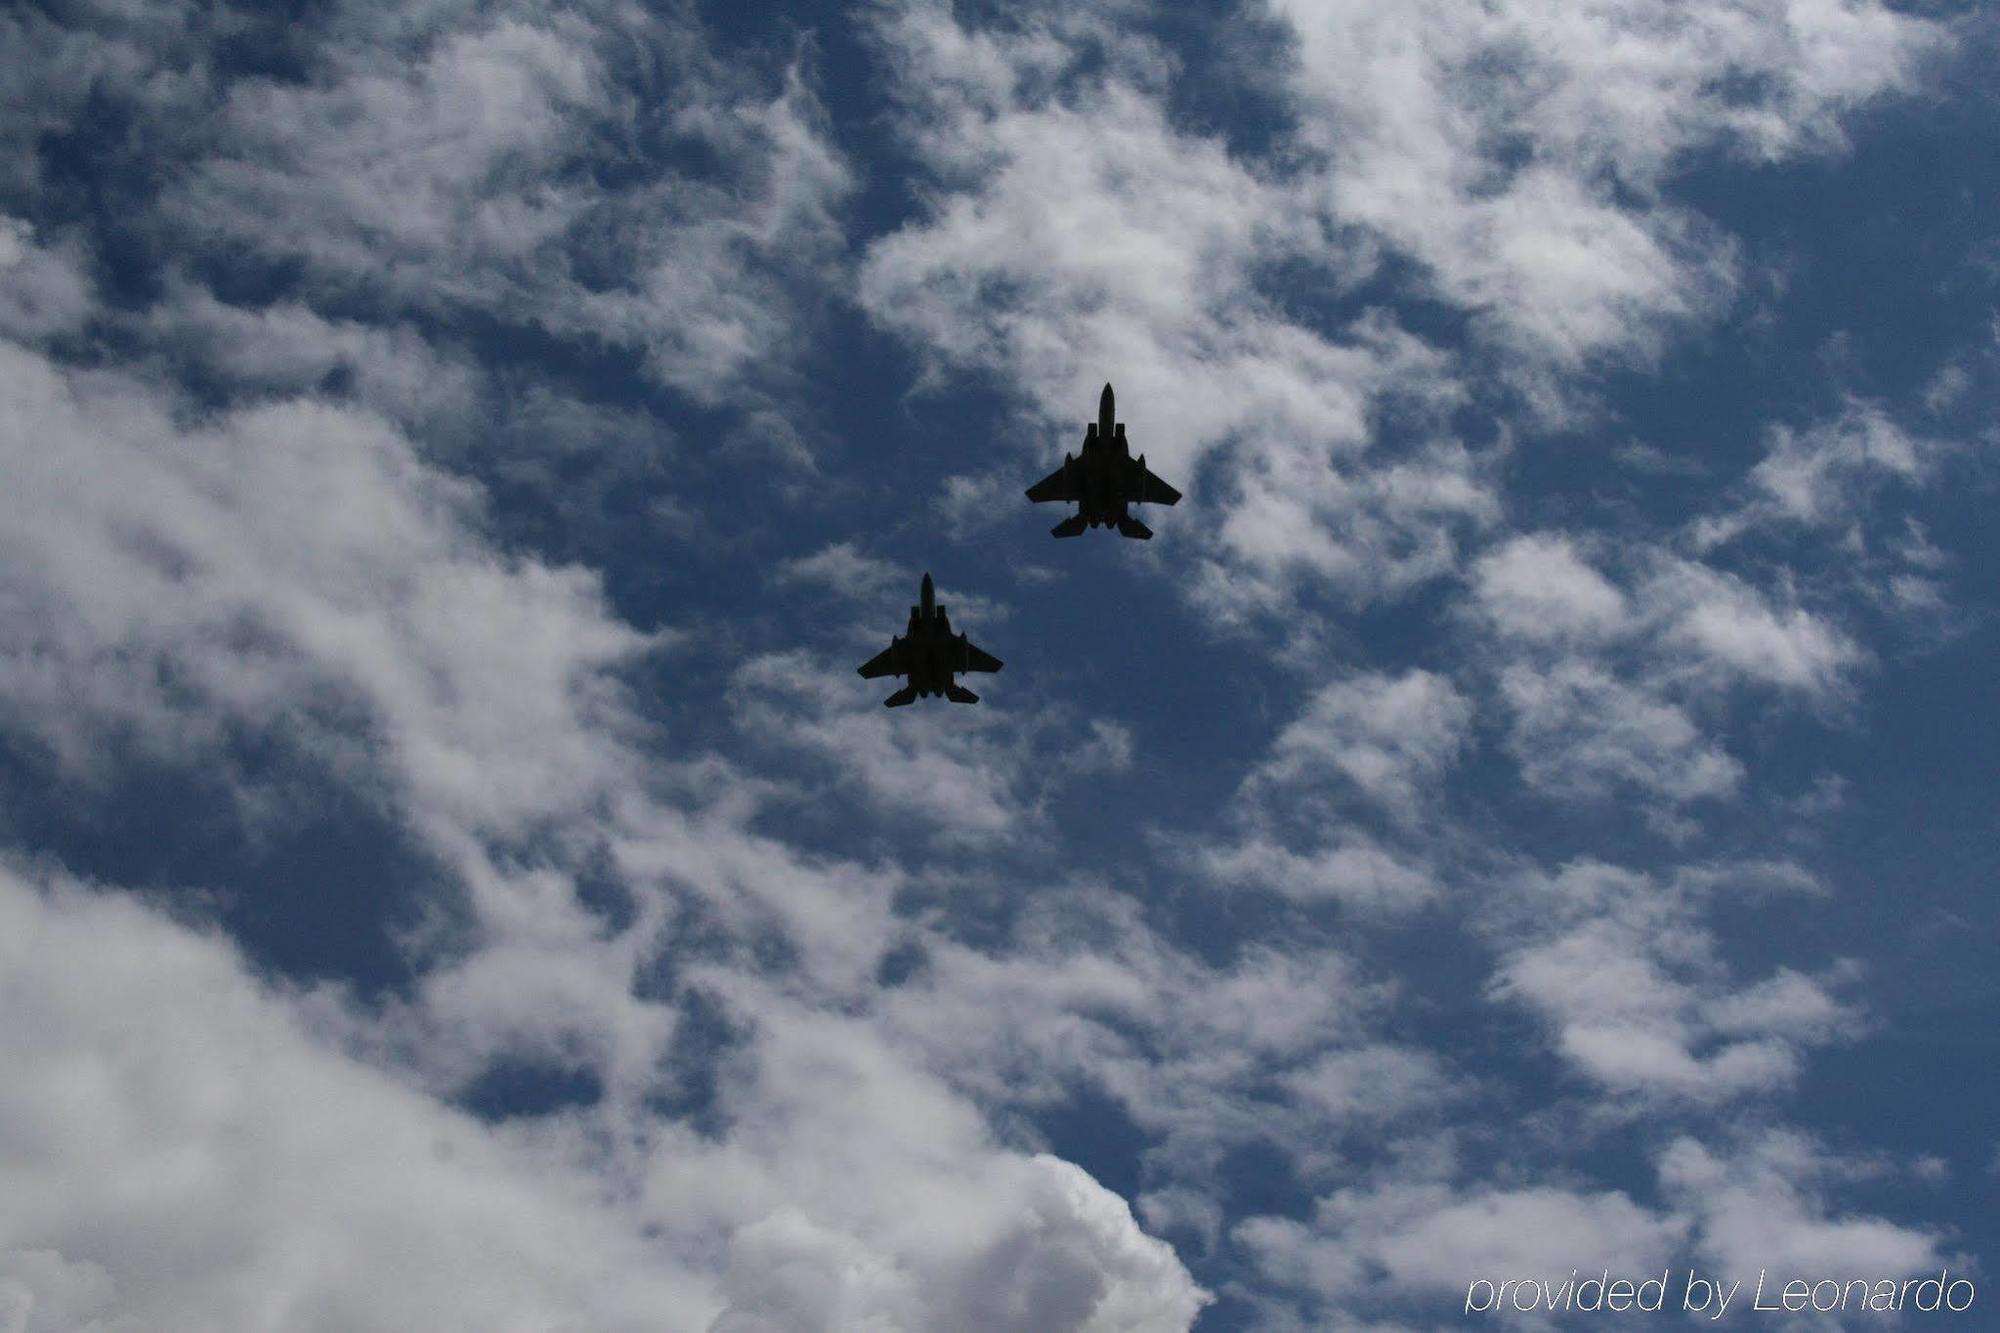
column 1102, row 480
column 930, row 655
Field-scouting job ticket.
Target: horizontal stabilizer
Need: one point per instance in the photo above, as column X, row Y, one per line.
column 958, row 694
column 1132, row 527
column 1072, row 526
column 908, row 694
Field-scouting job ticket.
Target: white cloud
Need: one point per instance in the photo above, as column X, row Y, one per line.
column 290, row 565
column 862, row 1189
column 145, row 53
column 1371, row 532
column 1356, row 872
column 1425, row 1238
column 1812, row 477
column 1380, row 1084
column 961, row 769
column 311, row 570
column 1620, row 688
column 1762, row 1204
column 286, row 349
column 1631, row 982
column 596, row 175
column 1073, row 1260
column 460, row 167
column 1520, row 151
column 1392, row 737
column 1109, row 749
column 1272, row 1048
column 1520, row 155
column 194, row 1151
column 1079, row 240
column 1727, row 623
column 1580, row 733
column 1825, row 477
column 42, row 291
column 1538, row 587
column 187, row 1153
column 840, row 567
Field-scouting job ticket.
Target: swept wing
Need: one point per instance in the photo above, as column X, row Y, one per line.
column 1055, row 486
column 978, row 659
column 1149, row 489
column 888, row 662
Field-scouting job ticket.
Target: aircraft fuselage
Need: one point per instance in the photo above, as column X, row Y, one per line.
column 929, row 655
column 1103, row 480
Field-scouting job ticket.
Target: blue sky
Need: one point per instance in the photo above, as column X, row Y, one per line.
column 1530, row 809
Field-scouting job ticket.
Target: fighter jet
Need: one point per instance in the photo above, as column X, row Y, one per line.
column 930, row 655
column 1103, row 479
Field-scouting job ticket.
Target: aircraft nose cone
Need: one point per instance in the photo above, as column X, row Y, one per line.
column 1105, row 399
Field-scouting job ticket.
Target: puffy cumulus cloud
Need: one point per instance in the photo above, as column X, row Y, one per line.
column 1391, row 737
column 185, row 1150
column 1631, row 982
column 859, row 1190
column 190, row 1148
column 252, row 565
column 1520, row 153
column 1763, row 1202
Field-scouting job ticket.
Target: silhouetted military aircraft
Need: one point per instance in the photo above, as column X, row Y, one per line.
column 1102, row 480
column 930, row 655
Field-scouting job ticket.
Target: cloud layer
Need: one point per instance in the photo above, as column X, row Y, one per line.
column 469, row 417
